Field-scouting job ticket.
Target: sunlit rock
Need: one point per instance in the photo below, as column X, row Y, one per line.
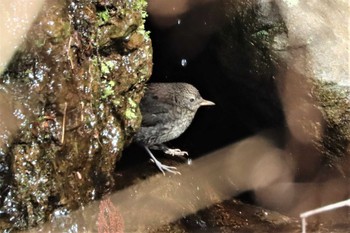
column 72, row 92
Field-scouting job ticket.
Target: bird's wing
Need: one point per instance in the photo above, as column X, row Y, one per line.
column 153, row 112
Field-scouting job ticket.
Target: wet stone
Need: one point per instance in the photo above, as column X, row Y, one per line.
column 68, row 132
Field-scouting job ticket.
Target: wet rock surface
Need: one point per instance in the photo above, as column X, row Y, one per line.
column 73, row 87
column 266, row 48
column 152, row 202
column 262, row 65
column 316, row 74
column 268, row 68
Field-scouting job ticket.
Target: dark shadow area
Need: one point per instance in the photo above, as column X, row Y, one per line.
column 249, row 169
column 189, row 51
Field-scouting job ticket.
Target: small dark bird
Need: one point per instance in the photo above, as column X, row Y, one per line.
column 167, row 111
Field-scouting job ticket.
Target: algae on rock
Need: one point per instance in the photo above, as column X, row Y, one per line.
column 334, row 102
column 74, row 84
column 246, row 46
column 266, row 48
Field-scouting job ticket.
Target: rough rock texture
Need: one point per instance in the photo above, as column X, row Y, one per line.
column 302, row 48
column 188, row 203
column 297, row 52
column 71, row 93
column 317, row 60
column 285, row 66
column 245, row 49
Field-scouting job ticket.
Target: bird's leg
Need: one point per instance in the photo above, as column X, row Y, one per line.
column 176, row 152
column 168, row 150
column 161, row 166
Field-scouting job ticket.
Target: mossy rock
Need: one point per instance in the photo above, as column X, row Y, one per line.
column 76, row 83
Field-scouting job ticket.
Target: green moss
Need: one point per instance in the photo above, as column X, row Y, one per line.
column 130, row 114
column 131, row 109
column 108, row 89
column 78, row 79
column 140, row 6
column 132, row 103
column 103, row 17
column 334, row 103
column 107, row 67
column 249, row 37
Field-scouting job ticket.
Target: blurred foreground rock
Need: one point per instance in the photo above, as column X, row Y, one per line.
column 314, row 84
column 200, row 200
column 70, row 104
column 287, row 59
column 301, row 48
column 294, row 56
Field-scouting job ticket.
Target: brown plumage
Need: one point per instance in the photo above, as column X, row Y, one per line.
column 167, row 111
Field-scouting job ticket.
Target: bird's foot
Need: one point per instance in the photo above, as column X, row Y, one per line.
column 163, row 167
column 176, row 152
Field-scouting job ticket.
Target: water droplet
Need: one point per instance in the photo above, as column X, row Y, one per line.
column 189, row 161
column 183, row 62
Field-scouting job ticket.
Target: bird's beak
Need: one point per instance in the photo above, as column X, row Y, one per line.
column 206, row 103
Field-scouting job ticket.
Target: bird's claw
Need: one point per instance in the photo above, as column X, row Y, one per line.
column 167, row 168
column 176, row 152
column 161, row 166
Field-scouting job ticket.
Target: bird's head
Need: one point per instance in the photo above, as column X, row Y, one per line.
column 188, row 96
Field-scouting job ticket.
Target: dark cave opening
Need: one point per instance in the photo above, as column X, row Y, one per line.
column 189, row 49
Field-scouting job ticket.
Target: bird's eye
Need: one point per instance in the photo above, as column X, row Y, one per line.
column 192, row 99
